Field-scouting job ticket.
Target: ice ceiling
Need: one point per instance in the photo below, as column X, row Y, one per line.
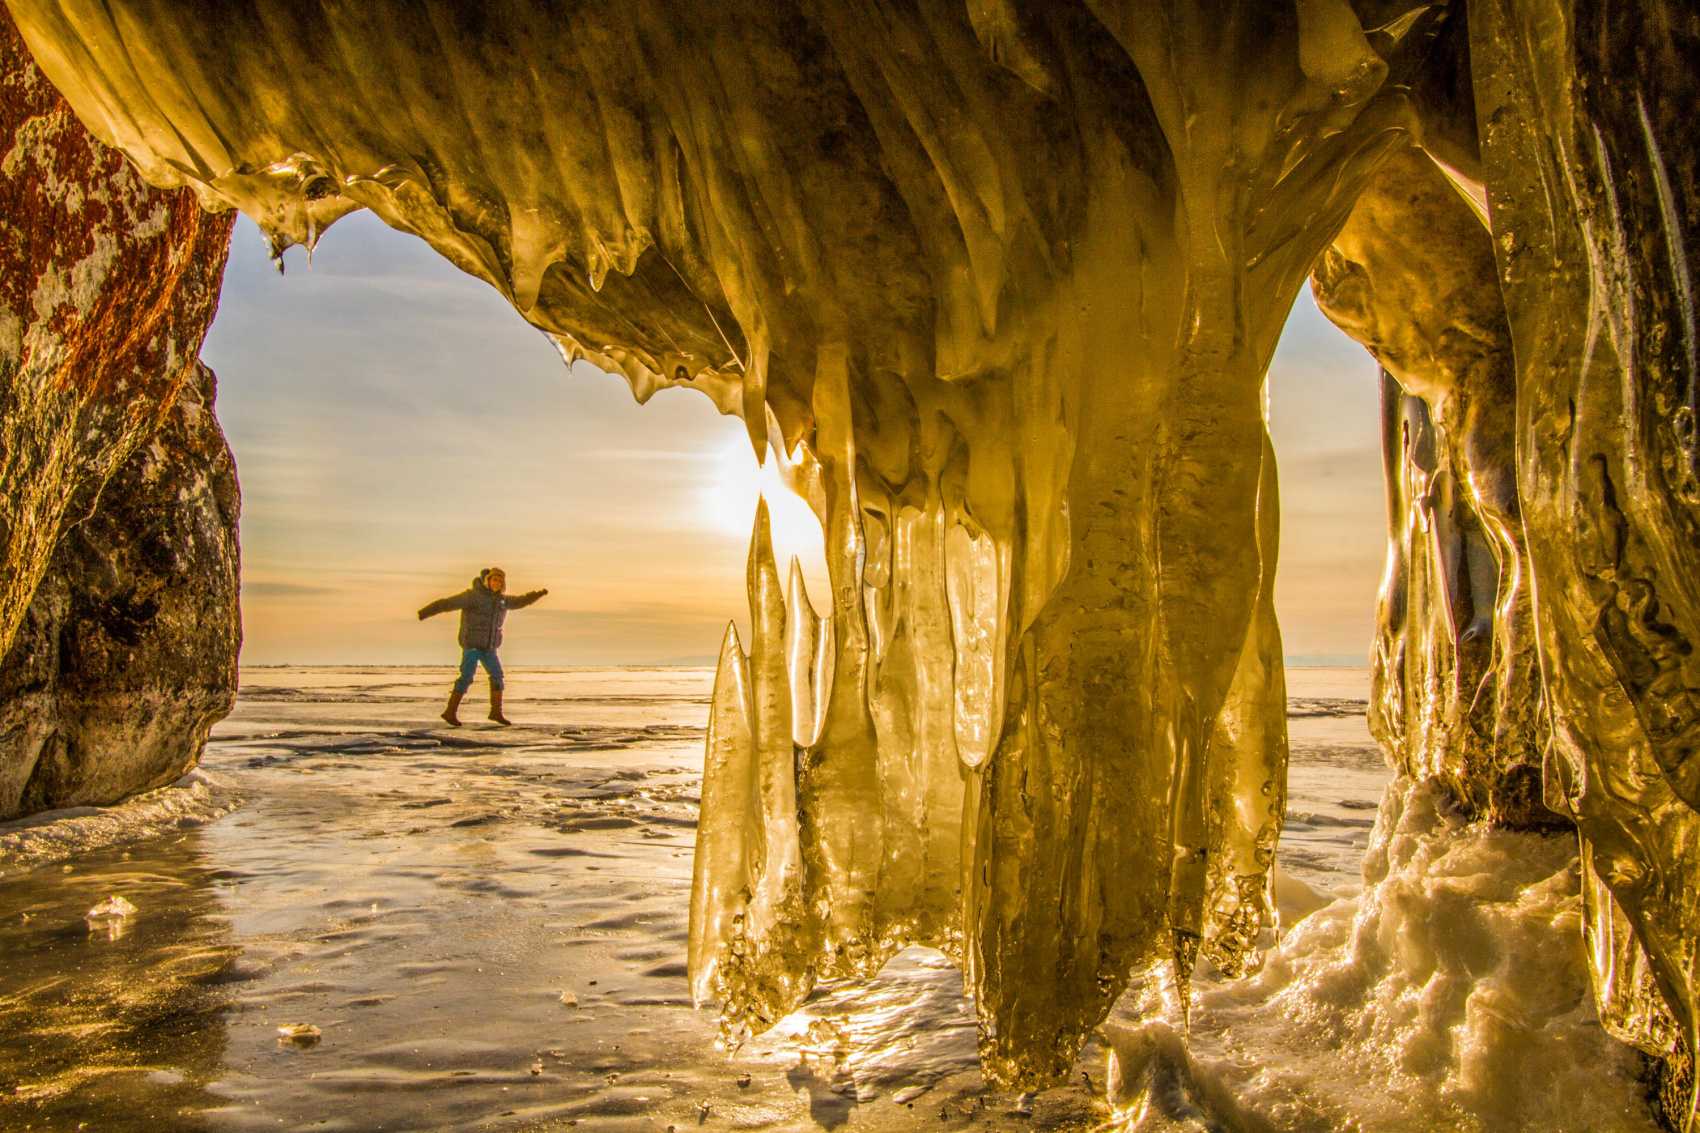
column 997, row 283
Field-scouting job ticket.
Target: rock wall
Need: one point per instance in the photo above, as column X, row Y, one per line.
column 117, row 510
column 127, row 653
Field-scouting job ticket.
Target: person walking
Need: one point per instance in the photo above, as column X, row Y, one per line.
column 483, row 608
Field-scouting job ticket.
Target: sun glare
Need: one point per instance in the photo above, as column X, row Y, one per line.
column 739, row 483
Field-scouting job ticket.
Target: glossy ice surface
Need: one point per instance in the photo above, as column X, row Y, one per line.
column 427, row 897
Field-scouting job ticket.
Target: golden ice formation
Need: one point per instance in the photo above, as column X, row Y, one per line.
column 997, row 283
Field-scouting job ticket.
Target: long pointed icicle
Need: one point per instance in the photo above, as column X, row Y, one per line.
column 778, row 971
column 1229, row 808
column 1247, row 768
column 844, row 849
column 977, row 588
column 921, row 778
column 752, row 943
column 720, row 878
column 809, row 664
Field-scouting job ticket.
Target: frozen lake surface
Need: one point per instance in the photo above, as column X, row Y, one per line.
column 487, row 929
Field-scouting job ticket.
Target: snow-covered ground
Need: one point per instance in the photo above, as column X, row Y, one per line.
column 486, row 928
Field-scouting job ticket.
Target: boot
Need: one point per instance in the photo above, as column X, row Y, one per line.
column 496, row 707
column 449, row 713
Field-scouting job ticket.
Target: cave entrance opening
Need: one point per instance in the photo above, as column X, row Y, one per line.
column 398, row 427
column 1324, row 412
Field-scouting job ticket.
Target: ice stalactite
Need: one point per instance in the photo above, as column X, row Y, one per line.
column 808, row 659
column 1243, row 787
column 1456, row 673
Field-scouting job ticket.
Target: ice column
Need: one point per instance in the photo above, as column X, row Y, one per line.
column 1588, row 143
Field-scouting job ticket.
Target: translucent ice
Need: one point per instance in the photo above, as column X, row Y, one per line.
column 299, row 1035
column 1002, row 289
column 112, row 907
column 1535, row 621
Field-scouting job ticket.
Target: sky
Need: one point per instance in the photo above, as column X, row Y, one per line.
column 397, row 426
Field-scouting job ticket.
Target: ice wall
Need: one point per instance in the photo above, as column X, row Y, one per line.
column 1536, row 329
column 1456, row 671
column 1588, row 144
column 997, row 283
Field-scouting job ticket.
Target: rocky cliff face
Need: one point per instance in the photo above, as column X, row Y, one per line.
column 117, row 497
column 127, row 653
column 106, row 289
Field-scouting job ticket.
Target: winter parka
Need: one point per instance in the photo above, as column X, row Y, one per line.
column 482, row 612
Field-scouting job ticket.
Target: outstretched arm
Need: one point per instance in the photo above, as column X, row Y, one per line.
column 444, row 605
column 523, row 600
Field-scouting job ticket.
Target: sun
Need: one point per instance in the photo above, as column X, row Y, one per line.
column 739, row 482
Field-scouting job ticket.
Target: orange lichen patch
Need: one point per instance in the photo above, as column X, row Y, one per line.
column 107, row 286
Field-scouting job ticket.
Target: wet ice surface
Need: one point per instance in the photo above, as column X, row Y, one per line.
column 487, row 928
column 1335, row 780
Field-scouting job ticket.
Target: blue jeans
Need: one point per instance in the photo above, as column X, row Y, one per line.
column 469, row 660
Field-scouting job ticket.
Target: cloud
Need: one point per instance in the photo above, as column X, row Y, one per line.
column 253, row 589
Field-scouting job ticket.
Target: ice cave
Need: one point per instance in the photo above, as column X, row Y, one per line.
column 995, row 283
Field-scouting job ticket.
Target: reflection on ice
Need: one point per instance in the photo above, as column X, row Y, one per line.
column 485, row 928
column 108, row 1014
column 488, row 929
column 899, row 1033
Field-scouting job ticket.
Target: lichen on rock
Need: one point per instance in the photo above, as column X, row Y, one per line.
column 106, row 288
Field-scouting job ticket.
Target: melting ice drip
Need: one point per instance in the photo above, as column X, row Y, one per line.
column 844, row 807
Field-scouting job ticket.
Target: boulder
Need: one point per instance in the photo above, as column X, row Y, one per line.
column 126, row 656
